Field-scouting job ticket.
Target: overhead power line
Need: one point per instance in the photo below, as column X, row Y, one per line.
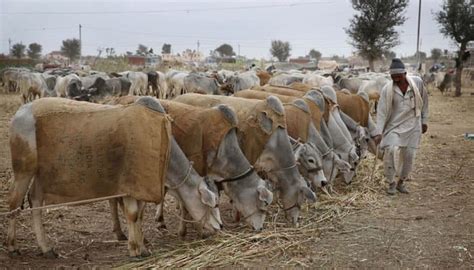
column 163, row 10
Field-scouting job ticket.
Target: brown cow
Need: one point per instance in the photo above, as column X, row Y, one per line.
column 73, row 151
column 264, row 77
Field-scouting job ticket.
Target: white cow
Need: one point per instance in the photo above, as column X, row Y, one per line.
column 175, row 81
column 62, row 83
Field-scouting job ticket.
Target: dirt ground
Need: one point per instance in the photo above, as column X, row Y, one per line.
column 432, row 227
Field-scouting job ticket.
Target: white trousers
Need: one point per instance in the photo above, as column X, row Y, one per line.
column 398, row 161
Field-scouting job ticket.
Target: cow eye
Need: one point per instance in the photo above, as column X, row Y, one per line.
column 311, row 160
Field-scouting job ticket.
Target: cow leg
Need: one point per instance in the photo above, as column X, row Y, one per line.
column 18, row 190
column 115, row 220
column 159, row 216
column 36, row 196
column 134, row 214
column 182, row 229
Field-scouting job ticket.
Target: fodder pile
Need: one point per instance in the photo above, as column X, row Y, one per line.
column 279, row 241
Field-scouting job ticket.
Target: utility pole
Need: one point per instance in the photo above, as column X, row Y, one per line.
column 80, row 43
column 198, row 46
column 418, row 38
column 238, row 51
column 9, row 46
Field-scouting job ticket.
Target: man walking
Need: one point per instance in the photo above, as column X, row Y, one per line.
column 402, row 116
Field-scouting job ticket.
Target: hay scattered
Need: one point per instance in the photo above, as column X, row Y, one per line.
column 280, row 241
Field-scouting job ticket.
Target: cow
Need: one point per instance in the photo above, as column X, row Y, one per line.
column 175, row 82
column 103, row 89
column 351, row 84
column 32, row 85
column 10, row 78
column 162, row 85
column 332, row 164
column 355, row 113
column 285, row 79
column 68, row 86
column 138, row 79
column 263, row 139
column 239, row 82
column 446, row 83
column 103, row 151
column 317, row 80
column 264, row 77
column 196, row 83
column 373, row 87
column 208, row 137
column 301, row 128
column 303, row 87
column 335, row 133
column 88, row 81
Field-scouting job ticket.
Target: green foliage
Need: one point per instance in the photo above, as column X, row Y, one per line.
column 280, row 50
column 110, row 52
column 372, row 29
column 456, row 20
column 34, row 50
column 389, row 55
column 436, row 54
column 225, row 50
column 142, row 49
column 315, row 54
column 166, row 49
column 18, row 50
column 71, row 48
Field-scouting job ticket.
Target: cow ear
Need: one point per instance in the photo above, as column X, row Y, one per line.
column 308, row 194
column 265, row 195
column 207, row 196
column 265, row 122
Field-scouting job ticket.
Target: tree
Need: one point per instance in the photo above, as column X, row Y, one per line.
column 225, row 50
column 280, row 49
column 422, row 56
column 389, row 55
column 315, row 54
column 166, row 49
column 372, row 30
column 142, row 49
column 18, row 50
column 34, row 50
column 456, row 22
column 436, row 54
column 110, row 52
column 71, row 48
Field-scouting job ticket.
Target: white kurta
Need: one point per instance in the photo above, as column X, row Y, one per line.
column 403, row 128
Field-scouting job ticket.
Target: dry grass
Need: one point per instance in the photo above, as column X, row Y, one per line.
column 242, row 247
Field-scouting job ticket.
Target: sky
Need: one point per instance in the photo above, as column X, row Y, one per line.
column 248, row 26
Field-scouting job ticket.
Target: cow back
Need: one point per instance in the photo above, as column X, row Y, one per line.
column 88, row 150
column 355, row 107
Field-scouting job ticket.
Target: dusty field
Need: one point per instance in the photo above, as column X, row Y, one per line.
column 359, row 227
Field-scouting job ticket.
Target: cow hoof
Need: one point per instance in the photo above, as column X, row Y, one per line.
column 14, row 253
column 145, row 254
column 50, row 254
column 121, row 237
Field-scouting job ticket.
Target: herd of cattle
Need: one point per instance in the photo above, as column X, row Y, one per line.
column 252, row 134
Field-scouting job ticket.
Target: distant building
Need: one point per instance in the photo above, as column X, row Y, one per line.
column 56, row 58
column 184, row 57
column 144, row 61
column 300, row 60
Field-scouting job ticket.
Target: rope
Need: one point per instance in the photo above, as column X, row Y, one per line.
column 17, row 211
column 185, row 177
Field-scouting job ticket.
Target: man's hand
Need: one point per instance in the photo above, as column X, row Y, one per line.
column 377, row 139
column 424, row 128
